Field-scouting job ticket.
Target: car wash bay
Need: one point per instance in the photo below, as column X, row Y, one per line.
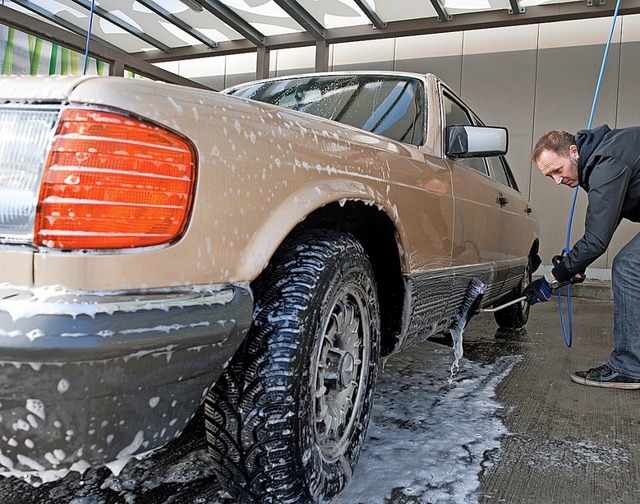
column 509, row 427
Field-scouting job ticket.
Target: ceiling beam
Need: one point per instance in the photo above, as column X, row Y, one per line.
column 471, row 21
column 371, row 14
column 443, row 15
column 176, row 21
column 36, row 9
column 104, row 14
column 57, row 35
column 516, row 8
column 233, row 20
column 303, row 18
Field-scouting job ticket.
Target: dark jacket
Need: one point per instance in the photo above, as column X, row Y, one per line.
column 609, row 170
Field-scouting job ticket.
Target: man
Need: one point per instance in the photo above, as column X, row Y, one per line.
column 606, row 164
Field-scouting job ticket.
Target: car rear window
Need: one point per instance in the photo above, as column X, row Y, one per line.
column 390, row 106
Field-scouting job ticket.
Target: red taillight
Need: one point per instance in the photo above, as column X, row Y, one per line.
column 112, row 181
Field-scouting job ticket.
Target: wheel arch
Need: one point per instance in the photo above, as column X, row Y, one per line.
column 378, row 235
column 534, row 255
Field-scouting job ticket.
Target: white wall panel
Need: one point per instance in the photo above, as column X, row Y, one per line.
column 289, row 61
column 629, row 86
column 370, row 55
column 429, row 46
column 584, row 32
column 203, row 67
column 498, row 82
column 630, row 28
column 499, row 40
column 240, row 68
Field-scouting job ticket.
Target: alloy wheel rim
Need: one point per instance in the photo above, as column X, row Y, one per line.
column 340, row 372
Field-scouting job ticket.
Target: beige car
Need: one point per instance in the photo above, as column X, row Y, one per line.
column 255, row 251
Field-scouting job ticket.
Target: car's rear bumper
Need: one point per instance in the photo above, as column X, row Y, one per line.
column 87, row 379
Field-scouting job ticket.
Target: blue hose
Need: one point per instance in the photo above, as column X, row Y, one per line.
column 86, row 49
column 568, row 339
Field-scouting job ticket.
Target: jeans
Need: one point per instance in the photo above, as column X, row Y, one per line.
column 625, row 280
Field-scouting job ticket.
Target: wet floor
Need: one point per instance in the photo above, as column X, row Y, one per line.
column 509, row 426
column 568, row 443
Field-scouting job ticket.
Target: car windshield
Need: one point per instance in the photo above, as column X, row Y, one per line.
column 390, row 106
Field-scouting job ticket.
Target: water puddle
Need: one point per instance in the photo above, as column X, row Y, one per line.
column 428, row 441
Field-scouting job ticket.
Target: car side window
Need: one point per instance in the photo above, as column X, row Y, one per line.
column 498, row 170
column 502, row 171
column 456, row 115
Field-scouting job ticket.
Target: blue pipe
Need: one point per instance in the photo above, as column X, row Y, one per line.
column 86, row 49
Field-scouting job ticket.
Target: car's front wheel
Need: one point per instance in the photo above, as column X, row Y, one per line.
column 516, row 315
column 287, row 420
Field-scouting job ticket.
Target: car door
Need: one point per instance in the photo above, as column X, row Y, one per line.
column 520, row 215
column 481, row 223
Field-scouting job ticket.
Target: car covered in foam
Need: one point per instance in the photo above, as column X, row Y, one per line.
column 252, row 253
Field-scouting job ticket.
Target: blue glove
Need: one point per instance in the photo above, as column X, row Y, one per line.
column 537, row 291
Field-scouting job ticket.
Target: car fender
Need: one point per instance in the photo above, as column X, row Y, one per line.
column 296, row 208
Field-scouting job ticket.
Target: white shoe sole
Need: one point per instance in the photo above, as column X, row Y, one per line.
column 612, row 385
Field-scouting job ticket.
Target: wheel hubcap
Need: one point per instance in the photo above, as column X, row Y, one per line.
column 340, row 372
column 340, row 368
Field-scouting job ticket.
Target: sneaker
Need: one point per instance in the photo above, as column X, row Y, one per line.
column 604, row 376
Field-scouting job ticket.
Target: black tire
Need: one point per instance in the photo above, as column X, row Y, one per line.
column 516, row 315
column 288, row 417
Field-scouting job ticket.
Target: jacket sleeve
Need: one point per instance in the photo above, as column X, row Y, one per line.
column 607, row 189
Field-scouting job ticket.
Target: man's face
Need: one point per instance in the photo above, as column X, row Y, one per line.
column 562, row 169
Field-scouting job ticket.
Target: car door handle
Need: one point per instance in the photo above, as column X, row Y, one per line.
column 502, row 200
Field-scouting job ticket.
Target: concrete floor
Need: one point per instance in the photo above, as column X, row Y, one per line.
column 570, row 443
column 566, row 443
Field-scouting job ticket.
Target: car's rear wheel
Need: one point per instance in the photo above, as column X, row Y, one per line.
column 516, row 315
column 287, row 419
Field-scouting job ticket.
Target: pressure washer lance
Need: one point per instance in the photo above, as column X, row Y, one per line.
column 579, row 278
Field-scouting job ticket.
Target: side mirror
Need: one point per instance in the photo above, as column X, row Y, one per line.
column 476, row 141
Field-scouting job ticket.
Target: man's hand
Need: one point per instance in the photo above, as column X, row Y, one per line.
column 537, row 291
column 578, row 278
